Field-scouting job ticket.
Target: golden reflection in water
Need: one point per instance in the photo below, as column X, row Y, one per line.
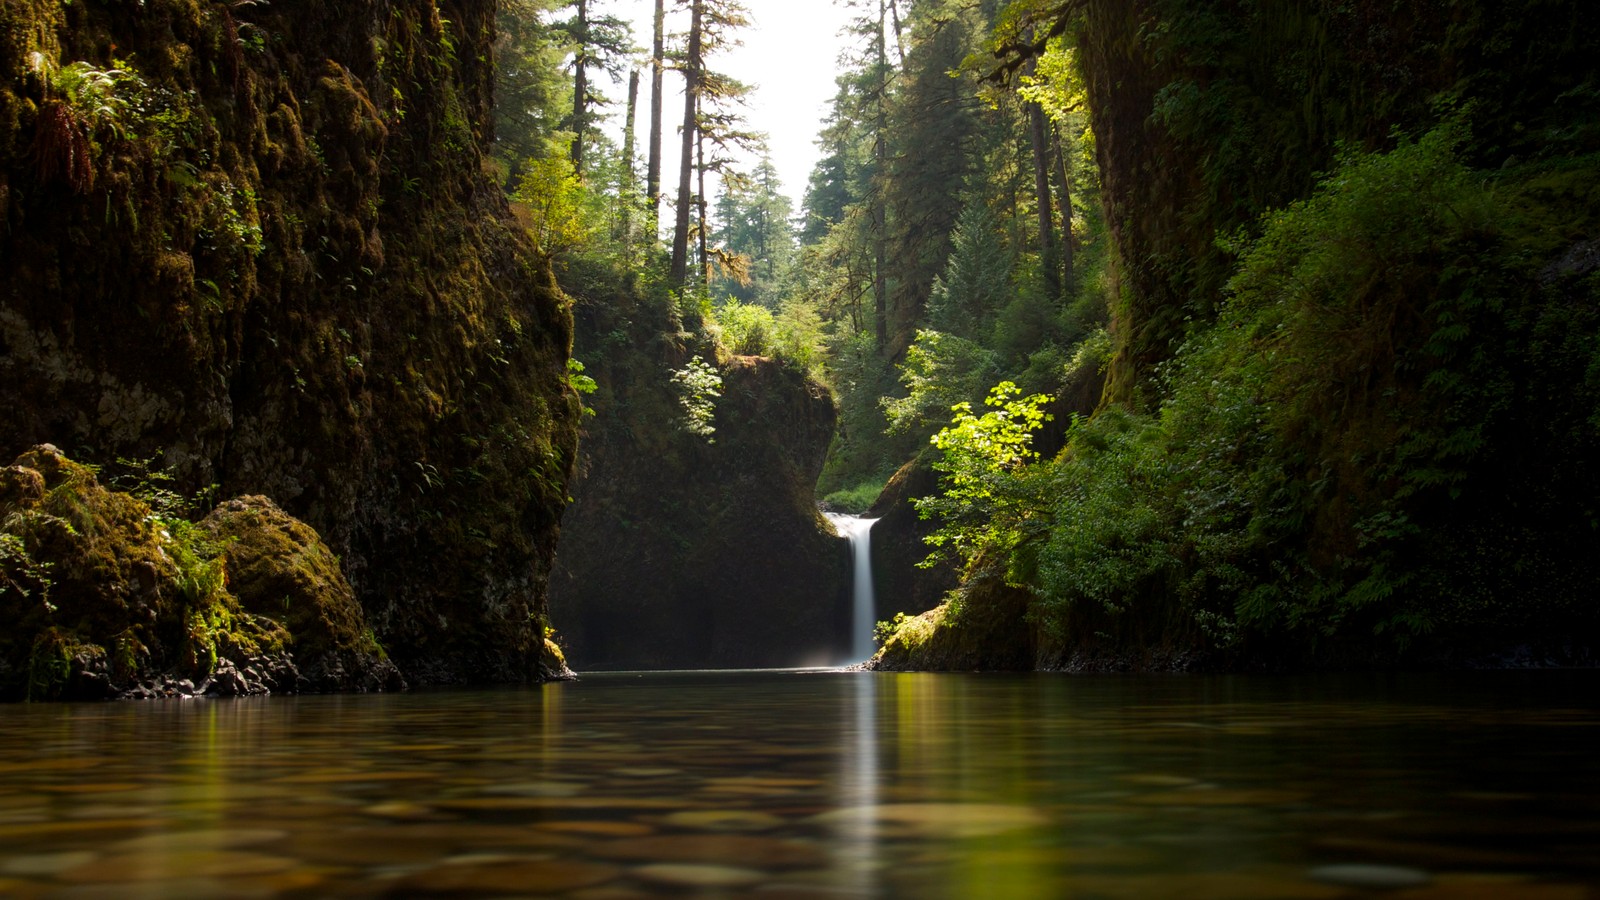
column 551, row 695
column 855, row 849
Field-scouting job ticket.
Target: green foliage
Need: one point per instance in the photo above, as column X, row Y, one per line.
column 580, row 382
column 883, row 631
column 976, row 281
column 1320, row 444
column 940, row 372
column 555, row 204
column 854, row 500
column 752, row 222
column 748, row 329
column 531, row 93
column 987, row 485
column 20, row 573
column 50, row 664
column 792, row 335
column 81, row 102
column 157, row 488
column 699, row 387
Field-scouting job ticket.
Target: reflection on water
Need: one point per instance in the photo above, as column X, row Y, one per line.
column 826, row 785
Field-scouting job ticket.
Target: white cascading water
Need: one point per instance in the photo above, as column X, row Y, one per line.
column 864, row 614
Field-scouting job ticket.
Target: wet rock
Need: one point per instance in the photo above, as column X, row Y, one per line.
column 280, row 569
column 20, row 487
column 227, row 681
column 100, row 589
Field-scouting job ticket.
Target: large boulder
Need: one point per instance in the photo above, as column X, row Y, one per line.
column 983, row 627
column 104, row 596
column 279, row 568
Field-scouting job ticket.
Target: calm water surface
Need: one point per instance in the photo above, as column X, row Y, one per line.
column 825, row 785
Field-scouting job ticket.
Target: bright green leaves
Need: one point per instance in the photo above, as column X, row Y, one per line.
column 987, row 494
column 699, row 387
column 999, row 439
column 555, row 202
column 580, row 382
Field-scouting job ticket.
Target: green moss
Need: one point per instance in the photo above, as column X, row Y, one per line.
column 100, row 592
column 258, row 225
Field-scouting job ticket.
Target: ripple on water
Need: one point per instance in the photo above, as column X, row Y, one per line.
column 1367, row 875
column 171, row 864
column 723, row 820
column 941, row 820
column 544, row 876
column 725, row 849
column 46, row 863
column 215, row 839
column 699, row 875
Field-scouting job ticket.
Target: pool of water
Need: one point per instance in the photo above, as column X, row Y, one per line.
column 820, row 785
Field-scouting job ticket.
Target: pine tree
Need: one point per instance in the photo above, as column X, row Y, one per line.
column 603, row 43
column 658, row 65
column 707, row 117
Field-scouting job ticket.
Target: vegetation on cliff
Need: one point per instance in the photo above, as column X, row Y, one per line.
column 693, row 538
column 260, row 245
column 1351, row 405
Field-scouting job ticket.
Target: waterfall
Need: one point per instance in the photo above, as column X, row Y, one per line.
column 864, row 614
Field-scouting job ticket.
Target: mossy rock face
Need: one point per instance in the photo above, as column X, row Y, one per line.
column 279, row 568
column 280, row 264
column 685, row 550
column 103, row 596
column 984, row 629
column 85, row 568
column 900, row 584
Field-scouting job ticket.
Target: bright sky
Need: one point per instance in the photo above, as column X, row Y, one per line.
column 789, row 55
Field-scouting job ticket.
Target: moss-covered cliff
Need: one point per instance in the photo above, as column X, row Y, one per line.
column 1354, row 406
column 696, row 550
column 257, row 242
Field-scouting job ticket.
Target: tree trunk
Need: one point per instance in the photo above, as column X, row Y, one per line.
column 629, row 174
column 1043, row 200
column 899, row 41
column 580, row 86
column 1064, row 181
column 679, row 273
column 700, row 207
column 652, row 183
column 880, row 155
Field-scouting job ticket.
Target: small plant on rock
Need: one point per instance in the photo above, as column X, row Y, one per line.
column 80, row 100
